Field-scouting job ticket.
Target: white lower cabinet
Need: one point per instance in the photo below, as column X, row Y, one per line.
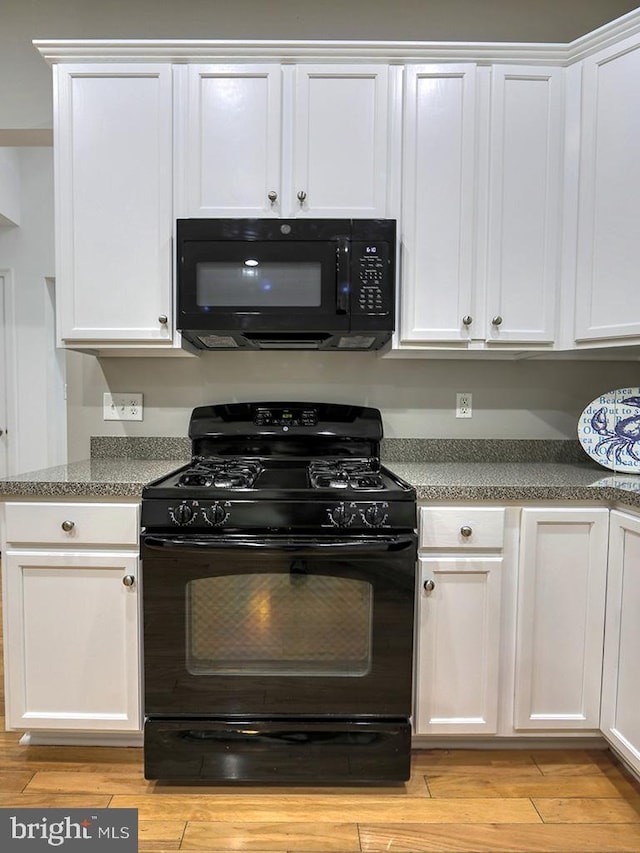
column 620, row 719
column 511, row 623
column 71, row 617
column 459, row 605
column 458, row 645
column 562, row 578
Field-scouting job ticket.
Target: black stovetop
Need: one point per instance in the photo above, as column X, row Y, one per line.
column 304, row 464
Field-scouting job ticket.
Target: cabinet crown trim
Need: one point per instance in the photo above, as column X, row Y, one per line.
column 198, row 50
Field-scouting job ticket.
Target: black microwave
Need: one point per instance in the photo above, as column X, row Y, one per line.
column 325, row 284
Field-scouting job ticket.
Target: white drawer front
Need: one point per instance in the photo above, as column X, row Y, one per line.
column 72, row 523
column 461, row 527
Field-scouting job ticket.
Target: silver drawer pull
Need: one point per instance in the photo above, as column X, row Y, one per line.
column 128, row 580
column 163, row 319
column 466, row 531
column 429, row 585
column 68, row 525
column 467, row 320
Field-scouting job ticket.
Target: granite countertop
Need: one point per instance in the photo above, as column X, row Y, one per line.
column 518, row 481
column 118, row 477
column 434, row 481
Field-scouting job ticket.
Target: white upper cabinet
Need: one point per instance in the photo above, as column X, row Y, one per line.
column 113, row 153
column 482, row 195
column 607, row 300
column 229, row 139
column 438, row 203
column 283, row 141
column 525, row 187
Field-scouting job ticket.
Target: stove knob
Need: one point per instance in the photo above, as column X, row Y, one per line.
column 341, row 516
column 182, row 514
column 374, row 515
column 215, row 514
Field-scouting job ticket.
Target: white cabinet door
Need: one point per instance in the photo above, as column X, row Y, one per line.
column 228, row 131
column 458, row 645
column 340, row 142
column 560, row 618
column 71, row 638
column 525, row 195
column 620, row 720
column 284, row 141
column 607, row 302
column 438, row 206
column 113, row 165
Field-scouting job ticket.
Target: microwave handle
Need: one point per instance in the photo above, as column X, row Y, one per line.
column 342, row 276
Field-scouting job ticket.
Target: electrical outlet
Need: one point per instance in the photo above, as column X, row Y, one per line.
column 463, row 405
column 126, row 406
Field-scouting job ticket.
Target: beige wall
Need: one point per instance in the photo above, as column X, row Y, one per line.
column 520, row 399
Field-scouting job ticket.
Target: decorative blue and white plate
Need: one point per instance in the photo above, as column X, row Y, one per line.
column 609, row 430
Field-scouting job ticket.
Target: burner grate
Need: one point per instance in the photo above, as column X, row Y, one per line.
column 360, row 475
column 221, row 473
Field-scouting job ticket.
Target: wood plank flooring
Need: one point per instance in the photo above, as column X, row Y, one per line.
column 460, row 801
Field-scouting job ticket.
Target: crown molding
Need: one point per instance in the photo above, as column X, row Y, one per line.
column 399, row 52
column 231, row 50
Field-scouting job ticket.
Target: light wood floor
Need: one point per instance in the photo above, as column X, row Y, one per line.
column 493, row 801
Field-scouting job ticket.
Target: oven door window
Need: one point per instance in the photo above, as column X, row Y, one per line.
column 292, row 624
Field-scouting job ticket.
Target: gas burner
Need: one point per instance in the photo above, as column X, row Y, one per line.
column 221, row 473
column 358, row 474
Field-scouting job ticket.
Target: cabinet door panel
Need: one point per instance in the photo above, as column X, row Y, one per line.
column 340, row 141
column 607, row 295
column 458, row 646
column 438, row 202
column 230, row 159
column 113, row 202
column 620, row 683
column 72, row 641
column 560, row 620
column 525, row 203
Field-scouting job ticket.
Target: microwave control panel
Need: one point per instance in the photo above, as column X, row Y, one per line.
column 372, row 279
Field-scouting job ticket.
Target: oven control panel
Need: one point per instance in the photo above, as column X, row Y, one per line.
column 359, row 514
column 273, row 514
column 285, row 417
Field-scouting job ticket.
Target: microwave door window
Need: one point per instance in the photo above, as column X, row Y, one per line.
column 254, row 284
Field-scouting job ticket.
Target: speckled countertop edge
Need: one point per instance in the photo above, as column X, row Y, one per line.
column 552, row 472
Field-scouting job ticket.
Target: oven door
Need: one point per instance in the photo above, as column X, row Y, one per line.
column 239, row 627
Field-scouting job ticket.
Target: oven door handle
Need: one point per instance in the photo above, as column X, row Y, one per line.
column 208, row 543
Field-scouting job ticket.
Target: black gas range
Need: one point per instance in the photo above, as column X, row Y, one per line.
column 278, row 601
column 282, row 466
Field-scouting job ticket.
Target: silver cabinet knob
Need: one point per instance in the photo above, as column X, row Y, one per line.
column 68, row 525
column 163, row 319
column 466, row 531
column 467, row 320
column 128, row 580
column 301, row 196
column 272, row 196
column 497, row 321
column 429, row 585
